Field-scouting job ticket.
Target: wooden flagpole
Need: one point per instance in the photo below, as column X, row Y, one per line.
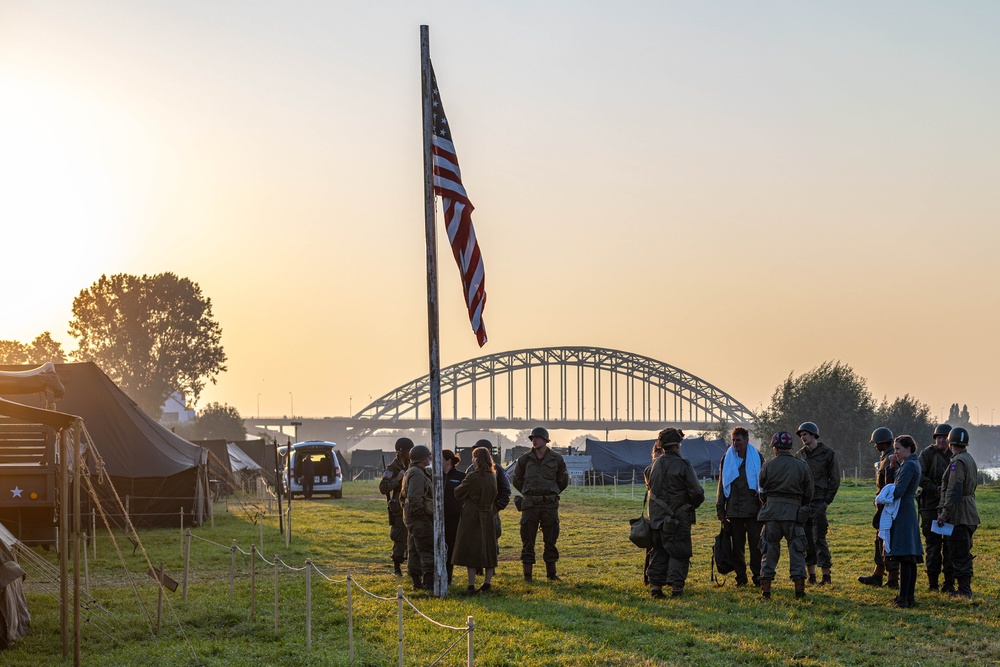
column 440, row 548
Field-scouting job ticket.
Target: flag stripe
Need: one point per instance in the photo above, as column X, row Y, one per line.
column 458, row 216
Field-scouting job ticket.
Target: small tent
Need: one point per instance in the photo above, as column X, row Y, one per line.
column 626, row 459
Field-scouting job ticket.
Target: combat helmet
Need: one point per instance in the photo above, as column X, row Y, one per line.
column 881, row 435
column 782, row 440
column 539, row 432
column 958, row 437
column 942, row 429
column 404, row 445
column 808, row 427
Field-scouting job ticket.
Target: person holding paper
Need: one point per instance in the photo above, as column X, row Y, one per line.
column 958, row 507
column 934, row 460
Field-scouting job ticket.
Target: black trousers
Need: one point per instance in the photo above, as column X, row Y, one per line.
column 746, row 533
column 932, row 546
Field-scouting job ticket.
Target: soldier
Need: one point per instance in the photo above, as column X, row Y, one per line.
column 958, row 507
column 540, row 476
column 418, row 514
column 934, row 461
column 786, row 488
column 389, row 486
column 825, row 470
column 737, row 501
column 674, row 494
column 882, row 440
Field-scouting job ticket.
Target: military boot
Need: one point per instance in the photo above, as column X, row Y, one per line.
column 893, row 581
column 451, row 570
column 932, row 582
column 827, row 579
column 765, row 589
column 811, row 569
column 418, row 585
column 964, row 588
column 676, row 591
column 949, row 585
column 397, row 568
column 527, row 570
column 656, row 593
column 800, row 588
column 428, row 581
column 873, row 579
column 550, row 572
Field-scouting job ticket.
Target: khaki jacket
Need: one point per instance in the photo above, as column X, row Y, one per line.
column 392, row 486
column 958, row 491
column 540, row 481
column 785, row 485
column 674, row 491
column 418, row 494
column 825, row 469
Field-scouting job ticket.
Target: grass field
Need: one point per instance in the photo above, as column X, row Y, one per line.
column 600, row 614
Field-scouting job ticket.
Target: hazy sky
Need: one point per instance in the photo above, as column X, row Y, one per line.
column 742, row 190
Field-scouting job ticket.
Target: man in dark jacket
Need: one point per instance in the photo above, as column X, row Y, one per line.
column 540, row 476
column 825, row 470
column 390, row 486
column 674, row 495
column 934, row 460
column 737, row 502
column 885, row 473
column 786, row 488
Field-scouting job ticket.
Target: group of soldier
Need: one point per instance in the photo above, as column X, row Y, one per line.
column 540, row 476
column 788, row 498
column 761, row 503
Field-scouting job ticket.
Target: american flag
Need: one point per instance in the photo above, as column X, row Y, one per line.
column 458, row 216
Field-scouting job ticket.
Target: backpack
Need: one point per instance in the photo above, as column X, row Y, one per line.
column 722, row 551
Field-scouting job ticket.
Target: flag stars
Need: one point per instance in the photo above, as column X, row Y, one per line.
column 16, row 492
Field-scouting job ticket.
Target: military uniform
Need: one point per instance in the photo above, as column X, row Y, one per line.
column 740, row 508
column 674, row 494
column 825, row 470
column 391, row 487
column 417, row 498
column 540, row 482
column 958, row 507
column 933, row 464
column 786, row 487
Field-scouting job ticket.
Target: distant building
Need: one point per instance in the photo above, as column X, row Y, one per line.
column 176, row 410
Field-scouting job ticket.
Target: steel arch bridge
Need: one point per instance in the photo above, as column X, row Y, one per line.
column 562, row 387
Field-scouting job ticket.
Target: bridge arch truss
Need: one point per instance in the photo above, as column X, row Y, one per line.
column 553, row 384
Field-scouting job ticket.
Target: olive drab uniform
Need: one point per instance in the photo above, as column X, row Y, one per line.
column 540, row 482
column 740, row 508
column 674, row 494
column 958, row 507
column 786, row 488
column 390, row 487
column 933, row 464
column 418, row 513
column 825, row 470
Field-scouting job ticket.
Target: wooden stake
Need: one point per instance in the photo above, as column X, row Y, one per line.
column 187, row 563
column 253, row 582
column 308, row 604
column 232, row 570
column 276, row 593
column 350, row 623
column 159, row 600
column 399, row 606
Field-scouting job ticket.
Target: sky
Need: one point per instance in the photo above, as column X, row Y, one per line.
column 741, row 190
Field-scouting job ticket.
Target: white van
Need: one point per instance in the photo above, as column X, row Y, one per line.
column 327, row 476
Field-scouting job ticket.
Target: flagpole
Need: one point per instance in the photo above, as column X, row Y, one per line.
column 440, row 548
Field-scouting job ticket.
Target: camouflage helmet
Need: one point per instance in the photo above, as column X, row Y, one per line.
column 942, row 429
column 881, row 435
column 807, row 427
column 539, row 432
column 782, row 440
column 958, row 437
column 419, row 453
column 404, row 445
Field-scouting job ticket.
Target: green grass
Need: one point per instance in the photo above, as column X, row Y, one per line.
column 600, row 614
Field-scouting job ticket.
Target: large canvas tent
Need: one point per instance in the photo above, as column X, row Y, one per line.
column 158, row 471
column 626, row 459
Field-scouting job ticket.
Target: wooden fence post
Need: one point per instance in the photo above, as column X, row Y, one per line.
column 187, row 564
column 232, row 570
column 308, row 604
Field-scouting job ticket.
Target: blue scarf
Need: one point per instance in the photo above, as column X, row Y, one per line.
column 731, row 468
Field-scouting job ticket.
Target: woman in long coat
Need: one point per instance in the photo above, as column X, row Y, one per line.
column 904, row 536
column 476, row 544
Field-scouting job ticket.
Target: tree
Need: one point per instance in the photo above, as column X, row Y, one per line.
column 907, row 416
column 216, row 421
column 832, row 396
column 152, row 335
column 40, row 351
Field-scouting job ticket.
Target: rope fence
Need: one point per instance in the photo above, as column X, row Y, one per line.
column 253, row 557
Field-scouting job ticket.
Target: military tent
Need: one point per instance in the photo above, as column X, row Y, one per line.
column 626, row 459
column 158, row 471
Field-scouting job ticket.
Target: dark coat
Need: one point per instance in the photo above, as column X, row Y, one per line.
column 452, row 506
column 476, row 542
column 905, row 532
